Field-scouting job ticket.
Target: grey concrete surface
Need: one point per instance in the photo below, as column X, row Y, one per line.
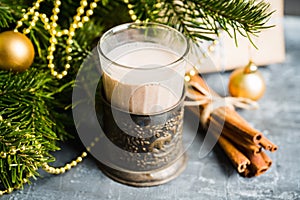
column 292, row 7
column 213, row 177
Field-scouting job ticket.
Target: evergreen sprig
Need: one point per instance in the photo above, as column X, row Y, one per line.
column 5, row 17
column 27, row 124
column 198, row 19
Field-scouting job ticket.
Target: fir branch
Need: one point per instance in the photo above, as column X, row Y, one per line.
column 27, row 124
column 199, row 18
column 40, row 39
column 6, row 17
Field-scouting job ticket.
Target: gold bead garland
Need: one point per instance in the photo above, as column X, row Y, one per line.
column 45, row 166
column 51, row 27
column 210, row 49
column 31, row 12
column 68, row 166
column 131, row 12
column 48, row 169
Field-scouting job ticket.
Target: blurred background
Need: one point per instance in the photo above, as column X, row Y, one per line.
column 292, row 7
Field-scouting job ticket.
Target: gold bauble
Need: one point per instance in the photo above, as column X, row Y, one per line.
column 247, row 82
column 16, row 51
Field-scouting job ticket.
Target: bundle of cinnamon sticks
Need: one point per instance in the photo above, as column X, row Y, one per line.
column 243, row 144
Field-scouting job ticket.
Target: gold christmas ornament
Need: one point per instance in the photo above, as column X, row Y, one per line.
column 16, row 51
column 247, row 82
column 50, row 24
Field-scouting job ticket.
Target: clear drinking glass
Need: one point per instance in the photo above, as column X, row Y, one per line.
column 143, row 66
column 142, row 95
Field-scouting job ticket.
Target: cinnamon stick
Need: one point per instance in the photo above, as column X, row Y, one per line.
column 267, row 144
column 266, row 158
column 258, row 165
column 239, row 160
column 247, row 173
column 233, row 121
column 226, row 115
column 238, row 140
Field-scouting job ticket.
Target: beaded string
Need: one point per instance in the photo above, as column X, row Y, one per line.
column 47, row 168
column 68, row 166
column 51, row 27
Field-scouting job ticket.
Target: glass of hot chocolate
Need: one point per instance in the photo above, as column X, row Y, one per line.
column 141, row 95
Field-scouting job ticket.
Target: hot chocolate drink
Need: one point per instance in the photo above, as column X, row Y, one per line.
column 148, row 82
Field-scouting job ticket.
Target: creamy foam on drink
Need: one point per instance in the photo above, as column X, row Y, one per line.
column 144, row 78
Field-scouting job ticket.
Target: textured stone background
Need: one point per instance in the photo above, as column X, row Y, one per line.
column 292, row 7
column 212, row 177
